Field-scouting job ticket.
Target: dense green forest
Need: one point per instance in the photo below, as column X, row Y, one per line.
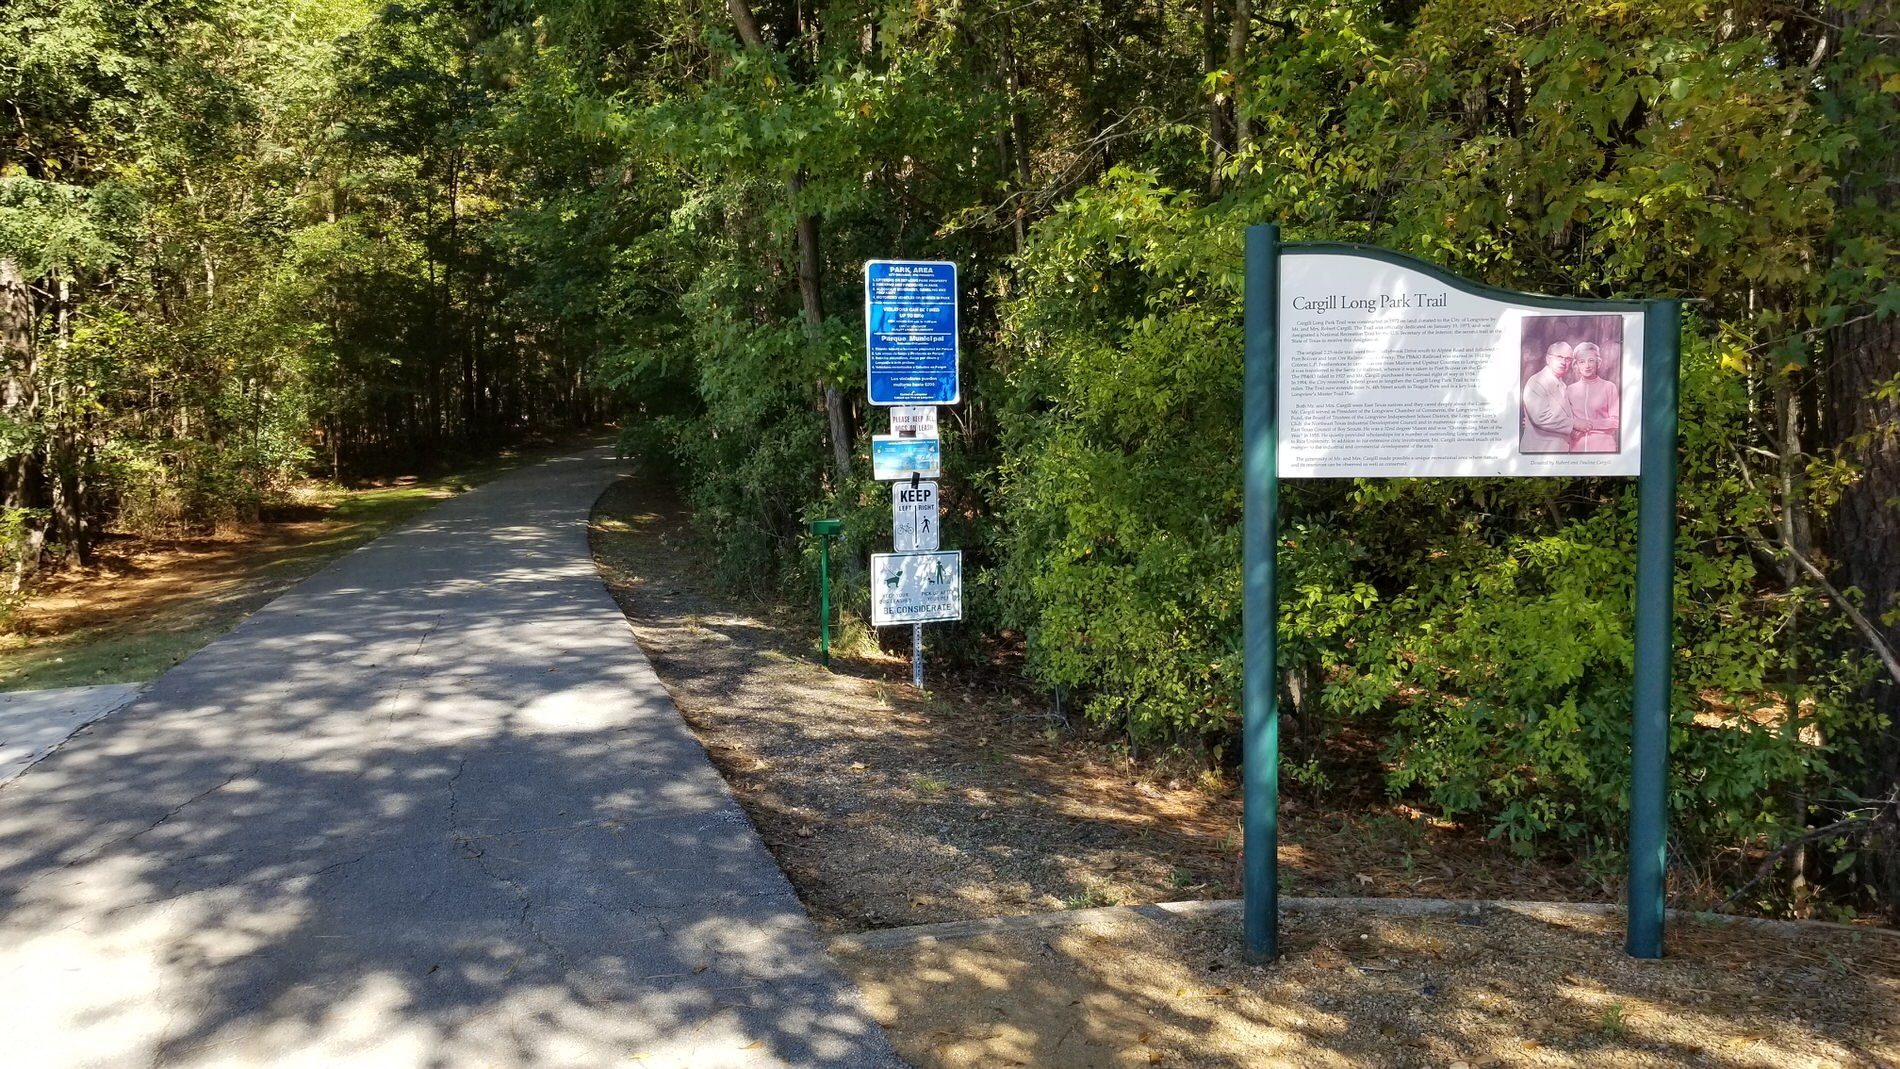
column 242, row 242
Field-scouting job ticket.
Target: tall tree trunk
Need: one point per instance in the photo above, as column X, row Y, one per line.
column 1237, row 33
column 1094, row 109
column 471, row 384
column 63, row 451
column 1863, row 533
column 18, row 402
column 16, row 352
column 1018, row 139
column 810, row 278
column 204, row 243
column 1864, row 539
column 1795, row 534
column 1217, row 138
column 747, row 26
column 811, row 297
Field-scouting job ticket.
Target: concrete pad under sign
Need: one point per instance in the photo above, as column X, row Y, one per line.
column 33, row 723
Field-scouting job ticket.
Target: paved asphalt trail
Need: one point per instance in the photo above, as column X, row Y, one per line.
column 430, row 808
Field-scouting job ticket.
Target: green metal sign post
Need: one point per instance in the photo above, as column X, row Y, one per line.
column 826, row 530
column 1655, row 640
column 1264, row 462
column 1260, row 535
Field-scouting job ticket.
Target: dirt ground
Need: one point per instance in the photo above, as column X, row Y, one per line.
column 144, row 604
column 1358, row 990
column 890, row 809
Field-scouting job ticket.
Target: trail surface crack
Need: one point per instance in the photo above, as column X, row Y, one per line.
column 467, row 844
column 125, row 840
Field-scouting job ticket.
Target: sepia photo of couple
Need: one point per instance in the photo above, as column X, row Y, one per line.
column 1571, row 400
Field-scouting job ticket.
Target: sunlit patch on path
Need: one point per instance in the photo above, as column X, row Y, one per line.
column 33, row 723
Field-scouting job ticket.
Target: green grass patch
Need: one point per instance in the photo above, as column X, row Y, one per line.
column 85, row 658
column 1088, row 898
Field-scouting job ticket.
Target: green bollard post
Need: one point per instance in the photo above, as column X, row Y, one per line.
column 825, row 530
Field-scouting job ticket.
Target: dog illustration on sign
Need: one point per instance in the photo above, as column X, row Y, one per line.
column 936, row 576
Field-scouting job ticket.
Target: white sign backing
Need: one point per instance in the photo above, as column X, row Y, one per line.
column 914, row 517
column 916, row 588
column 1389, row 370
column 914, row 421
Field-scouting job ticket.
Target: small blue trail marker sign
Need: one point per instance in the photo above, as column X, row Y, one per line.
column 910, row 332
column 900, row 458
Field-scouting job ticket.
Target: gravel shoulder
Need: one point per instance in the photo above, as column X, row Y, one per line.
column 1360, row 989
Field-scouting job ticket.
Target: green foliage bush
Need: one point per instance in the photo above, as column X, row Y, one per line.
column 1482, row 626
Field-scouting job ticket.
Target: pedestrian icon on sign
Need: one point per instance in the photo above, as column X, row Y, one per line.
column 914, row 517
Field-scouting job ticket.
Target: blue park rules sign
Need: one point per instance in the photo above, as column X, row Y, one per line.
column 910, row 332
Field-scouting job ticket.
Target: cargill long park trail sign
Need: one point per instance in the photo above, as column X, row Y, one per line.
column 1363, row 362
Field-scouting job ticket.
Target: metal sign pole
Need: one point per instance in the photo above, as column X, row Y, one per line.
column 916, row 630
column 1655, row 612
column 917, row 656
column 1260, row 535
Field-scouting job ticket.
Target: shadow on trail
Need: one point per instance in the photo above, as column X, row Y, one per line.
column 430, row 808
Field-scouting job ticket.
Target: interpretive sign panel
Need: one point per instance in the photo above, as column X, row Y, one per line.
column 900, row 458
column 1363, row 361
column 1389, row 368
column 910, row 332
column 914, row 421
column 914, row 517
column 916, row 588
